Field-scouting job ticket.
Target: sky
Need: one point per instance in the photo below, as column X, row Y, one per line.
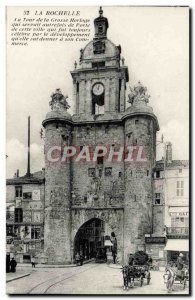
column 155, row 45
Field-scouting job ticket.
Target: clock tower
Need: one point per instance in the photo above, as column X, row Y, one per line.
column 100, row 80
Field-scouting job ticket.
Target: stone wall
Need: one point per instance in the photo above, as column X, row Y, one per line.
column 140, row 133
column 57, row 198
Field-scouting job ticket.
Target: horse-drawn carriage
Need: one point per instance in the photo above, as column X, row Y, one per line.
column 136, row 270
column 173, row 276
column 135, row 273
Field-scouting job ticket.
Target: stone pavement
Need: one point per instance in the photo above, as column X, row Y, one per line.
column 53, row 266
column 87, row 279
column 20, row 273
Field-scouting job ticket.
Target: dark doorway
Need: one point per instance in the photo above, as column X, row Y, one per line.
column 89, row 238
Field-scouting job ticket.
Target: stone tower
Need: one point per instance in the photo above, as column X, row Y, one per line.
column 140, row 126
column 89, row 201
column 99, row 83
column 57, row 181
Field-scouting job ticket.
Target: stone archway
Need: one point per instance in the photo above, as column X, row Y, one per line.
column 112, row 222
column 89, row 238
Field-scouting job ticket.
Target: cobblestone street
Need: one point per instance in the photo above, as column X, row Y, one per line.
column 87, row 279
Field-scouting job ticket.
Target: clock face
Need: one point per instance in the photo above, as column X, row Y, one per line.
column 98, row 89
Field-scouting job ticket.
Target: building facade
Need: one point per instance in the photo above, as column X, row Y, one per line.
column 177, row 207
column 170, row 209
column 101, row 181
column 25, row 216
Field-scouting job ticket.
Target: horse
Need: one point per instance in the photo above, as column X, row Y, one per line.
column 128, row 275
column 131, row 275
column 169, row 278
column 125, row 271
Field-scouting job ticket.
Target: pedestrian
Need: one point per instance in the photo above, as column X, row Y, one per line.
column 180, row 265
column 131, row 259
column 114, row 256
column 33, row 262
column 150, row 260
column 81, row 260
column 7, row 263
column 13, row 265
column 77, row 258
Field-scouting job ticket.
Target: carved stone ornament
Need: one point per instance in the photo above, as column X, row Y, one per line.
column 138, row 94
column 59, row 102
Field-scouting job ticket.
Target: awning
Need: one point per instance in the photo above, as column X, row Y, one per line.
column 177, row 245
column 108, row 243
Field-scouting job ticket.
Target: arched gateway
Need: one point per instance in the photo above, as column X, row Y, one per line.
column 90, row 229
column 91, row 238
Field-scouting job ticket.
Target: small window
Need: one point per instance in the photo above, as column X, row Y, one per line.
column 100, row 159
column 85, row 199
column 135, row 198
column 136, row 121
column 99, row 64
column 91, row 172
column 81, row 148
column 100, row 29
column 147, row 172
column 100, row 172
column 88, row 130
column 106, row 129
column 129, row 135
column 27, row 195
column 180, row 188
column 18, row 191
column 120, row 174
column 77, row 87
column 157, row 199
column 157, row 174
column 18, row 215
column 35, row 232
column 108, row 171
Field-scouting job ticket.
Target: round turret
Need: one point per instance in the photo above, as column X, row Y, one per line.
column 57, row 180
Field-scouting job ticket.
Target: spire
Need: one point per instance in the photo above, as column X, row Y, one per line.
column 101, row 25
column 101, row 11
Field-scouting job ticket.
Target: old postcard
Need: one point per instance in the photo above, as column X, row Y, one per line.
column 97, row 150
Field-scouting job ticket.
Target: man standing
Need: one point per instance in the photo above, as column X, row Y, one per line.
column 180, row 265
column 131, row 259
column 33, row 262
column 180, row 262
column 13, row 265
column 77, row 258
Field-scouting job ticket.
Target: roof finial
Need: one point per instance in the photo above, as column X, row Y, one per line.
column 101, row 11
